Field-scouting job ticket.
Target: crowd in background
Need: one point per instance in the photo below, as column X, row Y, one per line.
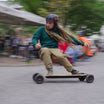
column 21, row 46
column 78, row 52
column 17, row 46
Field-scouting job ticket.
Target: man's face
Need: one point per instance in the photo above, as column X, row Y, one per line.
column 49, row 24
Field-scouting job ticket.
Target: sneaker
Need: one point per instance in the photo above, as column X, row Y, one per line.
column 75, row 71
column 50, row 72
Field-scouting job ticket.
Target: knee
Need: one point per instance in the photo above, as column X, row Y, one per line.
column 44, row 50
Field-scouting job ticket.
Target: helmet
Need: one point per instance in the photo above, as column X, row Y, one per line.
column 52, row 17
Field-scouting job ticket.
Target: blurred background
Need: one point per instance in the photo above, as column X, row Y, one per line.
column 19, row 19
column 19, row 60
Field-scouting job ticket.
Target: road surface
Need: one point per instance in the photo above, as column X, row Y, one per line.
column 17, row 86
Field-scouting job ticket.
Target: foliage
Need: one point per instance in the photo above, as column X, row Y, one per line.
column 30, row 5
column 84, row 15
column 4, row 28
column 88, row 14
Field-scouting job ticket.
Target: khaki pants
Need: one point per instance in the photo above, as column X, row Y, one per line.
column 47, row 55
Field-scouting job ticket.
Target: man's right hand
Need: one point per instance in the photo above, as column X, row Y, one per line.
column 38, row 46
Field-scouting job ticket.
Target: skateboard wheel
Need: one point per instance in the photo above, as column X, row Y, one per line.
column 39, row 79
column 89, row 78
column 35, row 76
column 82, row 78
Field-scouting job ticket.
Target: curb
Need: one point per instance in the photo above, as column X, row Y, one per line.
column 21, row 65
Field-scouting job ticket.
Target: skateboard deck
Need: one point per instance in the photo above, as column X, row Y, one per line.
column 66, row 76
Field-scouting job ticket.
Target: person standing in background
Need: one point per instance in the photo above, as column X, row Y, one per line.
column 85, row 49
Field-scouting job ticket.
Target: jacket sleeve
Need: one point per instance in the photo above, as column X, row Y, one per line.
column 36, row 36
column 78, row 42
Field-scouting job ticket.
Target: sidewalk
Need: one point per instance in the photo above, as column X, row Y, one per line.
column 15, row 62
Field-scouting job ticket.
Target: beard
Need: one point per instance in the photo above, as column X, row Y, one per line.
column 48, row 28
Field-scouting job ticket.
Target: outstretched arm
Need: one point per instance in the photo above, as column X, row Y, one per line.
column 78, row 42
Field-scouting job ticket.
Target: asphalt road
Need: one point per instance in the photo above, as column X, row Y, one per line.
column 17, row 86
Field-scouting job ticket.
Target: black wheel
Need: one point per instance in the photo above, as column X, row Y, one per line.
column 82, row 78
column 89, row 78
column 39, row 79
column 35, row 76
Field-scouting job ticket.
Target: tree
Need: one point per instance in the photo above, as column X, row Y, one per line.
column 59, row 7
column 4, row 28
column 88, row 14
column 76, row 13
column 30, row 5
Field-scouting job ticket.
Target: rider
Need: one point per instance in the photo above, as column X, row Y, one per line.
column 49, row 37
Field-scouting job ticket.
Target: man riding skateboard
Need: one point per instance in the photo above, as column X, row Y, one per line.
column 49, row 37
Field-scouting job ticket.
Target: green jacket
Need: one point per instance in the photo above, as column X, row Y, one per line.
column 46, row 40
